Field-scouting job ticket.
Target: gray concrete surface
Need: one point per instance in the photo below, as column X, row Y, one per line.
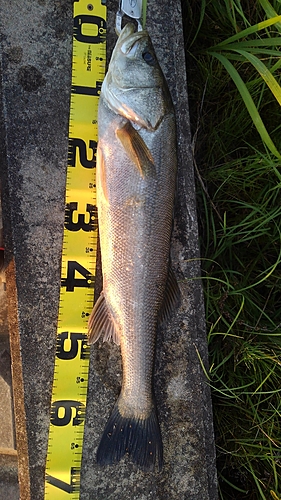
column 36, row 65
column 9, row 491
column 9, row 488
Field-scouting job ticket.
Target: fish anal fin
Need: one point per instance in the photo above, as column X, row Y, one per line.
column 171, row 297
column 137, row 150
column 136, row 437
column 101, row 324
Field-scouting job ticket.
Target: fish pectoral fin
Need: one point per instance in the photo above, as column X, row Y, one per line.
column 137, row 150
column 101, row 324
column 171, row 297
column 102, row 173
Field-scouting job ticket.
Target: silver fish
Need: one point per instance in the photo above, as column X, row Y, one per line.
column 136, row 176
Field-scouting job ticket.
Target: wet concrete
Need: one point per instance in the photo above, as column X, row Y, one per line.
column 36, row 67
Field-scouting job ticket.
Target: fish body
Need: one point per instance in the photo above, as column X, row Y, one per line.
column 136, row 175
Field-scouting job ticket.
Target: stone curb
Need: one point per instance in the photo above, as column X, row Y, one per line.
column 36, row 66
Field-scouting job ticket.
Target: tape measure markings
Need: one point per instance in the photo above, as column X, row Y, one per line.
column 69, row 395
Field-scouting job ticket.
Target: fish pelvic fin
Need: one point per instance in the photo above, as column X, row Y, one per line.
column 139, row 438
column 137, row 150
column 171, row 297
column 101, row 324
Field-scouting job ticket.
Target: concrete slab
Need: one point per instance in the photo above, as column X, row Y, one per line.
column 10, row 491
column 36, row 65
column 9, row 488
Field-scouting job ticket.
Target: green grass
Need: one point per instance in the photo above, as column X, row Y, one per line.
column 234, row 66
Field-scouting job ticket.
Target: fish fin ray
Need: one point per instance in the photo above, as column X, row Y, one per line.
column 137, row 150
column 101, row 324
column 102, row 172
column 139, row 438
column 171, row 297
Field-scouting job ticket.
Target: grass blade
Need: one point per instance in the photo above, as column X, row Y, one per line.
column 270, row 11
column 249, row 103
column 202, row 14
column 248, row 31
column 265, row 74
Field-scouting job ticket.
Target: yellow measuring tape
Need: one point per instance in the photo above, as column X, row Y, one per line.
column 78, row 257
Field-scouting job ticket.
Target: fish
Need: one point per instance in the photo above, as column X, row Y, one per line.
column 136, row 179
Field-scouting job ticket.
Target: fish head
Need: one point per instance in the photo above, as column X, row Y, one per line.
column 133, row 61
column 135, row 86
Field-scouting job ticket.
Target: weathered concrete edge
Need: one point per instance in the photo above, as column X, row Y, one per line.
column 194, row 267
column 18, row 389
column 186, row 205
column 8, row 466
column 21, row 472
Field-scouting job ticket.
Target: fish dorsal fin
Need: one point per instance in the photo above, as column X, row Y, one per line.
column 137, row 150
column 101, row 324
column 171, row 297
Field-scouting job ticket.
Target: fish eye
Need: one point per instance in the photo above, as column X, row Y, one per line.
column 149, row 58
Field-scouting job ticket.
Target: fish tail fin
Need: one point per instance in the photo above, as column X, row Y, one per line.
column 139, row 438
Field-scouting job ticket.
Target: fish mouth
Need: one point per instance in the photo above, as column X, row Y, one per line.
column 128, row 38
